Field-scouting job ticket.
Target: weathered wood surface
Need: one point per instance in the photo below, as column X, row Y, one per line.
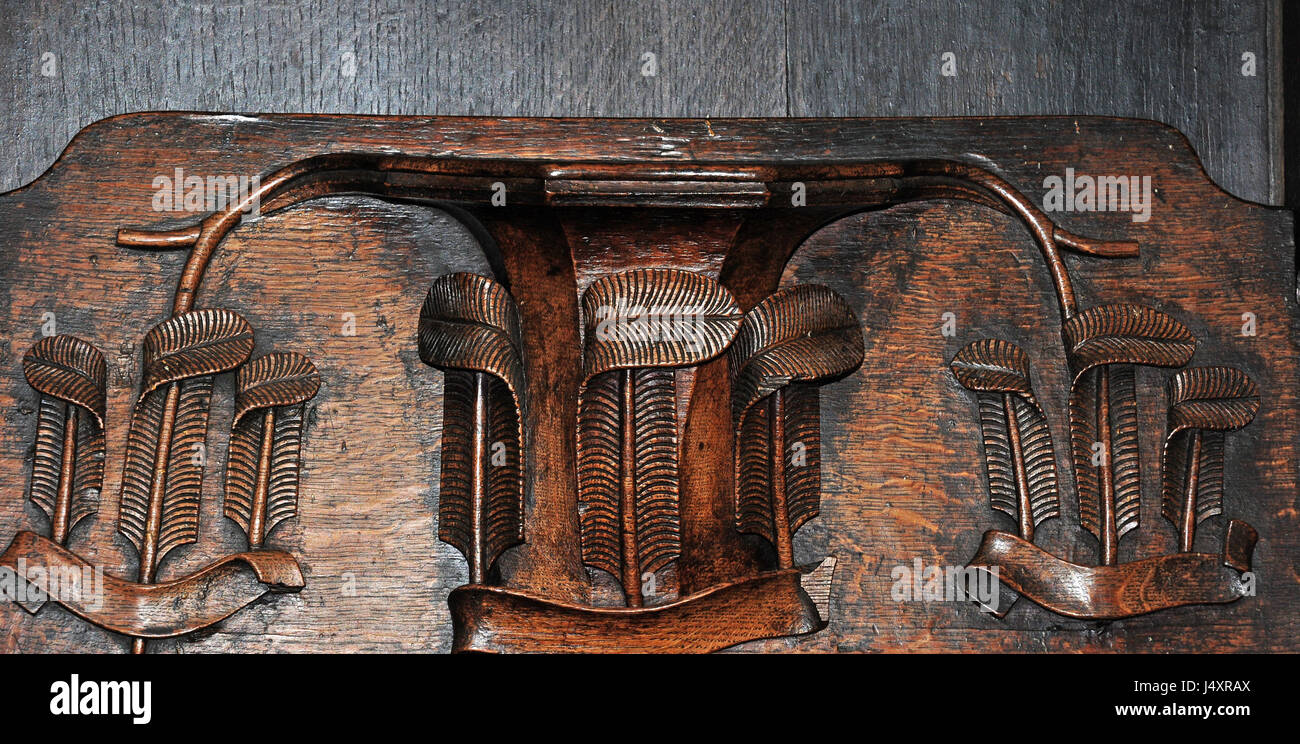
column 1171, row 61
column 902, row 474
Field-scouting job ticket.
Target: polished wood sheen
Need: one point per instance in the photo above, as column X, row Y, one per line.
column 889, row 302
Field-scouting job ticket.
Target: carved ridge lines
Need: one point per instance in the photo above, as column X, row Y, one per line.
column 200, row 342
column 600, row 422
column 1204, row 403
column 262, row 473
column 67, row 368
column 1102, row 346
column 1018, row 454
column 658, row 521
column 180, row 520
column 803, row 482
column 655, row 318
column 469, row 328
column 803, row 425
column 1126, row 334
column 794, row 338
column 804, row 333
column 47, row 461
column 68, row 461
column 137, row 474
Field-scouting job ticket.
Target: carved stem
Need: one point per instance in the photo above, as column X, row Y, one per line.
column 478, row 485
column 627, row 505
column 257, row 520
column 1109, row 532
column 1187, row 533
column 780, row 507
column 63, row 503
column 1023, row 508
column 157, row 491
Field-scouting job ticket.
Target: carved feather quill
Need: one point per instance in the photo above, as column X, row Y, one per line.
column 638, row 326
column 68, row 469
column 797, row 337
column 1018, row 453
column 1204, row 402
column 469, row 327
column 1102, row 346
column 262, row 468
column 163, row 477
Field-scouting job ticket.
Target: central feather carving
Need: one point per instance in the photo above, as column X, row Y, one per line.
column 639, row 326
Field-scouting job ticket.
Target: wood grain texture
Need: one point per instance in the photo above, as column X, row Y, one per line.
column 1171, row 61
column 901, row 465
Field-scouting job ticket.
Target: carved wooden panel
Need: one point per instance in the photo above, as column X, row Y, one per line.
column 634, row 385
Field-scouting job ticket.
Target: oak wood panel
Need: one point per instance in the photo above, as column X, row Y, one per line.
column 902, row 473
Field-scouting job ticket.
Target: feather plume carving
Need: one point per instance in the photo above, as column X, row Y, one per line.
column 1204, row 402
column 790, row 342
column 655, row 318
column 262, row 471
column 639, row 326
column 469, row 328
column 70, row 376
column 180, row 357
column 1103, row 344
column 1018, row 452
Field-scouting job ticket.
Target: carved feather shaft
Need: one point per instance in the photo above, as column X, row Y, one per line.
column 796, row 337
column 480, row 510
column 627, row 491
column 262, row 465
column 776, row 464
column 638, row 325
column 162, row 479
column 68, row 462
column 1204, row 402
column 1103, row 423
column 1018, row 453
column 628, row 485
column 1102, row 346
column 797, row 460
column 469, row 327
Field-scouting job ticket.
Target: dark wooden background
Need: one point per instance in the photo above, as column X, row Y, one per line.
column 1176, row 62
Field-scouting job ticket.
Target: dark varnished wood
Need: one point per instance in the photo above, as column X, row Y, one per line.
column 867, row 489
